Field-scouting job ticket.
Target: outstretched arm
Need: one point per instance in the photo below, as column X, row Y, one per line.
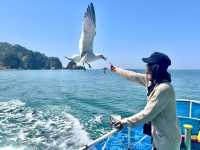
column 154, row 106
column 131, row 75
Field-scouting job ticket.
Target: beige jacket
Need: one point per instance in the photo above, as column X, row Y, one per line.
column 160, row 110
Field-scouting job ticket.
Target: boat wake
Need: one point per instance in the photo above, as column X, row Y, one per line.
column 25, row 128
column 97, row 119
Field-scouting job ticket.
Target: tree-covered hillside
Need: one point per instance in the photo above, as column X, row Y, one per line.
column 18, row 57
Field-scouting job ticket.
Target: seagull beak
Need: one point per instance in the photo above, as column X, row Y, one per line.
column 104, row 58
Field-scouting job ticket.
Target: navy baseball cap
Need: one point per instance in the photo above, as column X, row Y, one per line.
column 158, row 58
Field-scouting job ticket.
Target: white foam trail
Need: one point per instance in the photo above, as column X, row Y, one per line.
column 80, row 135
column 51, row 128
column 11, row 148
column 11, row 105
column 97, row 119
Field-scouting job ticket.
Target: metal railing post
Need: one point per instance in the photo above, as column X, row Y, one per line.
column 190, row 115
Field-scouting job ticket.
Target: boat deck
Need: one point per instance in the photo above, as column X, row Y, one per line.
column 188, row 112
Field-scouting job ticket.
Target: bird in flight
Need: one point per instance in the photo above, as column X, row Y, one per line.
column 86, row 41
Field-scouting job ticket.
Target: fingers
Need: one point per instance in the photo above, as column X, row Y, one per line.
column 118, row 125
column 112, row 68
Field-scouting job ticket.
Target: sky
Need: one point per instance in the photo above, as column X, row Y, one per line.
column 126, row 30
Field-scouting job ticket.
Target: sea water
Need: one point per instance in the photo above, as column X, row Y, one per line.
column 60, row 109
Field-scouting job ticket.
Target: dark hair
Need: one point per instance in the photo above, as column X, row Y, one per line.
column 159, row 73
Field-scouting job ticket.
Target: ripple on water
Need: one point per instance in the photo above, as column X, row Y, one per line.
column 24, row 128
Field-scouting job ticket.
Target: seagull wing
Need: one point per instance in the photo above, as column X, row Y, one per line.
column 88, row 31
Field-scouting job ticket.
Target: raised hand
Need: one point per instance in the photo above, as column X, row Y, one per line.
column 112, row 68
column 119, row 125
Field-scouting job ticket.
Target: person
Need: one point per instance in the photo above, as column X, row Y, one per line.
column 160, row 108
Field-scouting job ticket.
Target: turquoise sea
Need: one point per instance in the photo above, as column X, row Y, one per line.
column 60, row 109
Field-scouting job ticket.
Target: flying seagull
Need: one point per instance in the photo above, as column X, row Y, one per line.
column 88, row 33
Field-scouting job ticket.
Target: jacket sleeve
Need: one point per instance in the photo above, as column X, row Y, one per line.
column 153, row 107
column 133, row 76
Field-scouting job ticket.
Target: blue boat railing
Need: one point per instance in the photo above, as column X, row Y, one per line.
column 191, row 109
column 188, row 111
column 88, row 146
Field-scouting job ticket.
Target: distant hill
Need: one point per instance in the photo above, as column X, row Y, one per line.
column 18, row 57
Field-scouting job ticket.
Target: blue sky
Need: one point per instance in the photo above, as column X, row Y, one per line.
column 126, row 30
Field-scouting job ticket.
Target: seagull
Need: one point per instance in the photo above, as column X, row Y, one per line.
column 88, row 33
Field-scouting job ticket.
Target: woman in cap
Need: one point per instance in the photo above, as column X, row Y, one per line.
column 160, row 109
